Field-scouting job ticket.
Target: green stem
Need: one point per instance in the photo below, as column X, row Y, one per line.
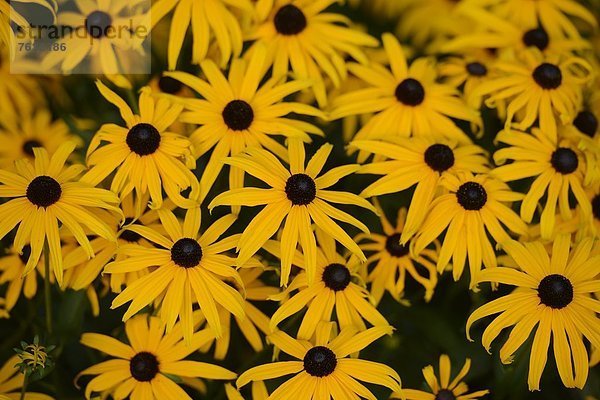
column 24, row 387
column 47, row 288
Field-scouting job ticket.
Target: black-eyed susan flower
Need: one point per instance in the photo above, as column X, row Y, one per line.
column 419, row 162
column 443, row 388
column 142, row 368
column 390, row 261
column 407, row 99
column 498, row 33
column 210, row 21
column 190, row 268
column 466, row 72
column 11, row 381
column 145, row 155
column 37, row 130
column 558, row 168
column 556, row 16
column 538, row 88
column 552, row 296
column 338, row 285
column 46, row 192
column 105, row 33
column 301, row 37
column 473, row 207
column 298, row 195
column 323, row 368
column 238, row 112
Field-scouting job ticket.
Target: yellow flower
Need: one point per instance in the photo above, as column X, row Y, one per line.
column 238, row 112
column 45, row 193
column 467, row 72
column 209, row 20
column 299, row 196
column 554, row 15
column 300, row 36
column 474, row 207
column 558, row 169
column 337, row 285
column 391, row 261
column 443, row 389
column 141, row 368
column 189, row 263
column 37, row 130
column 325, row 370
column 553, row 293
column 502, row 33
column 407, row 99
column 147, row 157
column 538, row 88
column 421, row 162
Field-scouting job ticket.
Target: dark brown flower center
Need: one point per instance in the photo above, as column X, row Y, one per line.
column 439, row 157
column 143, row 366
column 300, row 189
column 98, row 23
column 320, row 361
column 393, row 246
column 186, row 253
column 476, row 69
column 471, row 196
column 290, row 20
column 169, row 85
column 143, row 139
column 555, row 291
column 445, row 394
column 536, row 38
column 410, row 92
column 238, row 115
column 43, row 191
column 548, row 76
column 29, row 145
column 596, row 206
column 336, row 277
column 587, row 123
column 564, row 160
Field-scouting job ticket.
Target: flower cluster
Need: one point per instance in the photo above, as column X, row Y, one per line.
column 297, row 200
